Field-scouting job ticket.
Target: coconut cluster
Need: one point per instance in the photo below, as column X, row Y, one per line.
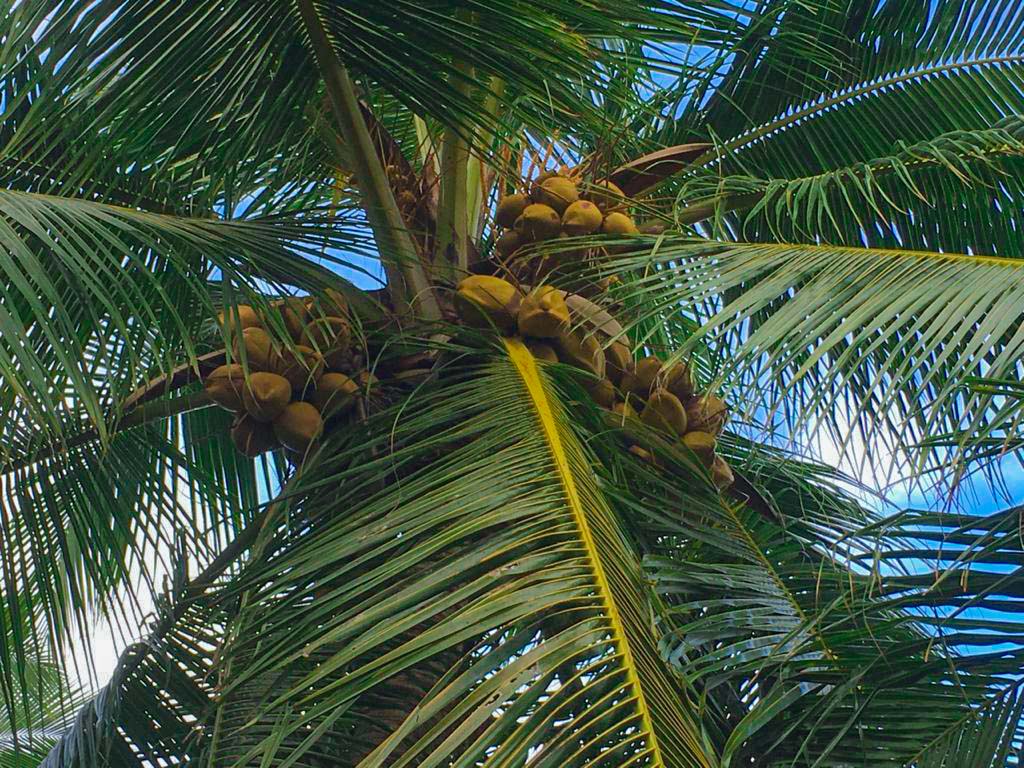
column 290, row 392
column 662, row 397
column 557, row 207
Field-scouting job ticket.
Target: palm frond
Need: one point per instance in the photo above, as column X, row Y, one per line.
column 474, row 532
column 954, row 193
column 864, row 344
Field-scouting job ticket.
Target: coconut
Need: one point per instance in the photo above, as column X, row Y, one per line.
column 619, row 360
column 679, row 381
column 333, row 303
column 295, row 314
column 335, row 394
column 298, row 426
column 619, row 224
column 332, row 337
column 539, row 222
column 721, row 474
column 542, row 351
column 252, row 437
column 509, row 209
column 543, row 313
column 625, row 410
column 707, row 414
column 241, row 315
column 641, row 453
column 259, row 349
column 265, row 395
column 483, row 301
column 581, row 218
column 535, row 192
column 581, row 350
column 640, row 378
column 703, row 445
column 664, row 411
column 606, row 195
column 302, row 367
column 602, row 392
column 224, row 385
column 557, row 192
column 508, row 243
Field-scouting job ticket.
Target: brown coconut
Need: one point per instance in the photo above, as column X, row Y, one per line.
column 543, row 313
column 251, row 437
column 335, row 394
column 707, row 414
column 298, row 426
column 241, row 315
column 542, row 351
column 721, row 474
column 224, row 385
column 509, row 209
column 259, row 349
column 679, row 381
column 302, row 366
column 703, row 445
column 619, row 361
column 641, row 378
column 602, row 392
column 265, row 395
column 581, row 350
column 664, row 411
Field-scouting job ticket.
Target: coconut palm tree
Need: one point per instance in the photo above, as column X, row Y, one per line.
column 476, row 546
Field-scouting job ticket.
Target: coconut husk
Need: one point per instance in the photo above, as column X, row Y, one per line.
column 703, row 445
column 298, row 426
column 602, row 392
column 258, row 347
column 619, row 360
column 224, row 385
column 721, row 474
column 642, row 377
column 707, row 414
column 302, row 367
column 335, row 395
column 664, row 411
column 265, row 395
column 241, row 315
column 543, row 313
column 581, row 350
column 251, row 437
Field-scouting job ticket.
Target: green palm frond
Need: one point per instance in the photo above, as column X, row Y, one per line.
column 857, row 43
column 953, row 193
column 106, row 297
column 490, row 545
column 815, row 628
column 868, row 344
